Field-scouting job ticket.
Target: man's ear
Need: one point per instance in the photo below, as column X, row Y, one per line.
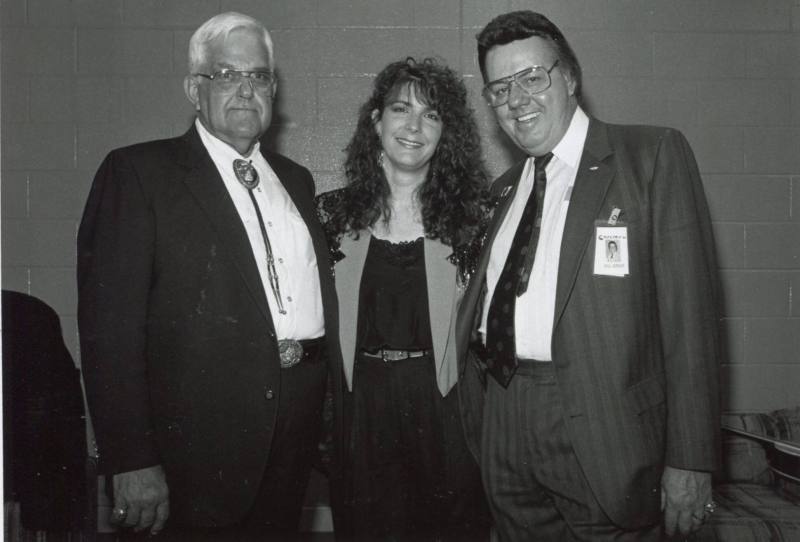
column 192, row 90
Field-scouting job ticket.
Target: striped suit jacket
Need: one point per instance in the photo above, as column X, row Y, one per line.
column 636, row 357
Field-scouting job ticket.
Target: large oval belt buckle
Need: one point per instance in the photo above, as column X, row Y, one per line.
column 291, row 352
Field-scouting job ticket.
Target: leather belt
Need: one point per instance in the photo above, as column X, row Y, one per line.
column 294, row 351
column 396, row 355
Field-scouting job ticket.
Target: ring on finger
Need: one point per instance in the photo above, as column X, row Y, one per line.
column 120, row 512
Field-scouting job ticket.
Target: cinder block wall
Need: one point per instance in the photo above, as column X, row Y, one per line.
column 83, row 76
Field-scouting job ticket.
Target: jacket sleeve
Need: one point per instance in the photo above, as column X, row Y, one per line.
column 115, row 270
column 688, row 295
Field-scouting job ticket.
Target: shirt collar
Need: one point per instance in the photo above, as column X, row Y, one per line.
column 218, row 149
column 570, row 148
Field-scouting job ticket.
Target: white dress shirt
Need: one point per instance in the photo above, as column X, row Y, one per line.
column 293, row 251
column 535, row 309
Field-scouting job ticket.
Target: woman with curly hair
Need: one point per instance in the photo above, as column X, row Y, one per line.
column 404, row 233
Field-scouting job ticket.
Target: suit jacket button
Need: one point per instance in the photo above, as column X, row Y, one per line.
column 269, row 395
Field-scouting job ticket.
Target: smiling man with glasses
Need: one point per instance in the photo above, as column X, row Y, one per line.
column 588, row 386
column 207, row 311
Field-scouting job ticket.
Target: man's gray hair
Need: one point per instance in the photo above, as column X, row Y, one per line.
column 220, row 26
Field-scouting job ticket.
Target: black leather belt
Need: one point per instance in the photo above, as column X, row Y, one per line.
column 307, row 350
column 395, row 355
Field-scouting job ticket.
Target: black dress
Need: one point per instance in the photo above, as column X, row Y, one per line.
column 408, row 473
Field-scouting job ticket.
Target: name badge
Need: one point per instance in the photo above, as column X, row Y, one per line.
column 611, row 251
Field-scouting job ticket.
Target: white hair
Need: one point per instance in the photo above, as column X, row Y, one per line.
column 220, row 26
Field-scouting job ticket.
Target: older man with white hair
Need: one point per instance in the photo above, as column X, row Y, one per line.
column 207, row 311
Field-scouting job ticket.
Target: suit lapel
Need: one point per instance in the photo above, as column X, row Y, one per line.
column 591, row 185
column 348, row 279
column 203, row 181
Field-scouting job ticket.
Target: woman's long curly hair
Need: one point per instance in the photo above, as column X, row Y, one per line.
column 454, row 195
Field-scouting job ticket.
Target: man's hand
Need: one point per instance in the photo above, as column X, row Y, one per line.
column 144, row 497
column 684, row 495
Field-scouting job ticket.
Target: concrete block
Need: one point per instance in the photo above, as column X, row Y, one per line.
column 327, row 181
column 569, row 16
column 340, row 99
column 39, row 243
column 619, row 100
column 155, row 100
column 180, row 51
column 755, row 293
column 56, row 286
column 729, row 239
column 296, row 103
column 298, row 52
column 374, row 48
column 758, row 387
column 748, row 198
column 14, row 194
column 773, row 246
column 718, row 149
column 58, row 194
column 38, row 145
column 610, row 54
column 773, row 56
column 698, row 56
column 14, row 92
column 794, row 278
column 727, row 16
column 772, row 149
column 126, row 51
column 675, row 103
column 74, row 12
column 98, row 99
column 16, row 279
column 476, row 14
column 365, row 13
column 44, row 51
column 95, row 141
column 317, row 148
column 12, row 12
column 276, row 14
column 168, row 13
column 442, row 13
column 773, row 341
column 51, row 99
column 743, row 103
column 442, row 44
column 732, row 336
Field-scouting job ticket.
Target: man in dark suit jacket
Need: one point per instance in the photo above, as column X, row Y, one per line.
column 589, row 392
column 207, row 309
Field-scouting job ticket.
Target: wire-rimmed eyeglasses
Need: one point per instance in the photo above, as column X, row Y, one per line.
column 532, row 80
column 228, row 79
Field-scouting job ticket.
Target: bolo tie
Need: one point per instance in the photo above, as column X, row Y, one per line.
column 248, row 176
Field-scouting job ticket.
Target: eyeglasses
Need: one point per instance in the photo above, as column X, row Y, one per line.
column 228, row 79
column 532, row 80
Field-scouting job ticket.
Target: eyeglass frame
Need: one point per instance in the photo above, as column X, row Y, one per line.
column 513, row 78
column 245, row 74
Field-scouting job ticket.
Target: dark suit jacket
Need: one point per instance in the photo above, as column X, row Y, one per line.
column 178, row 345
column 637, row 356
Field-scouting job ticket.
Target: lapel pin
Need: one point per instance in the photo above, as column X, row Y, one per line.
column 505, row 191
column 593, row 168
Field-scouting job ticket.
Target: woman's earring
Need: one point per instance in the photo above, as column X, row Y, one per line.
column 381, row 157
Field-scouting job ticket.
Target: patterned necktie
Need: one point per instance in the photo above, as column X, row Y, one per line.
column 513, row 281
